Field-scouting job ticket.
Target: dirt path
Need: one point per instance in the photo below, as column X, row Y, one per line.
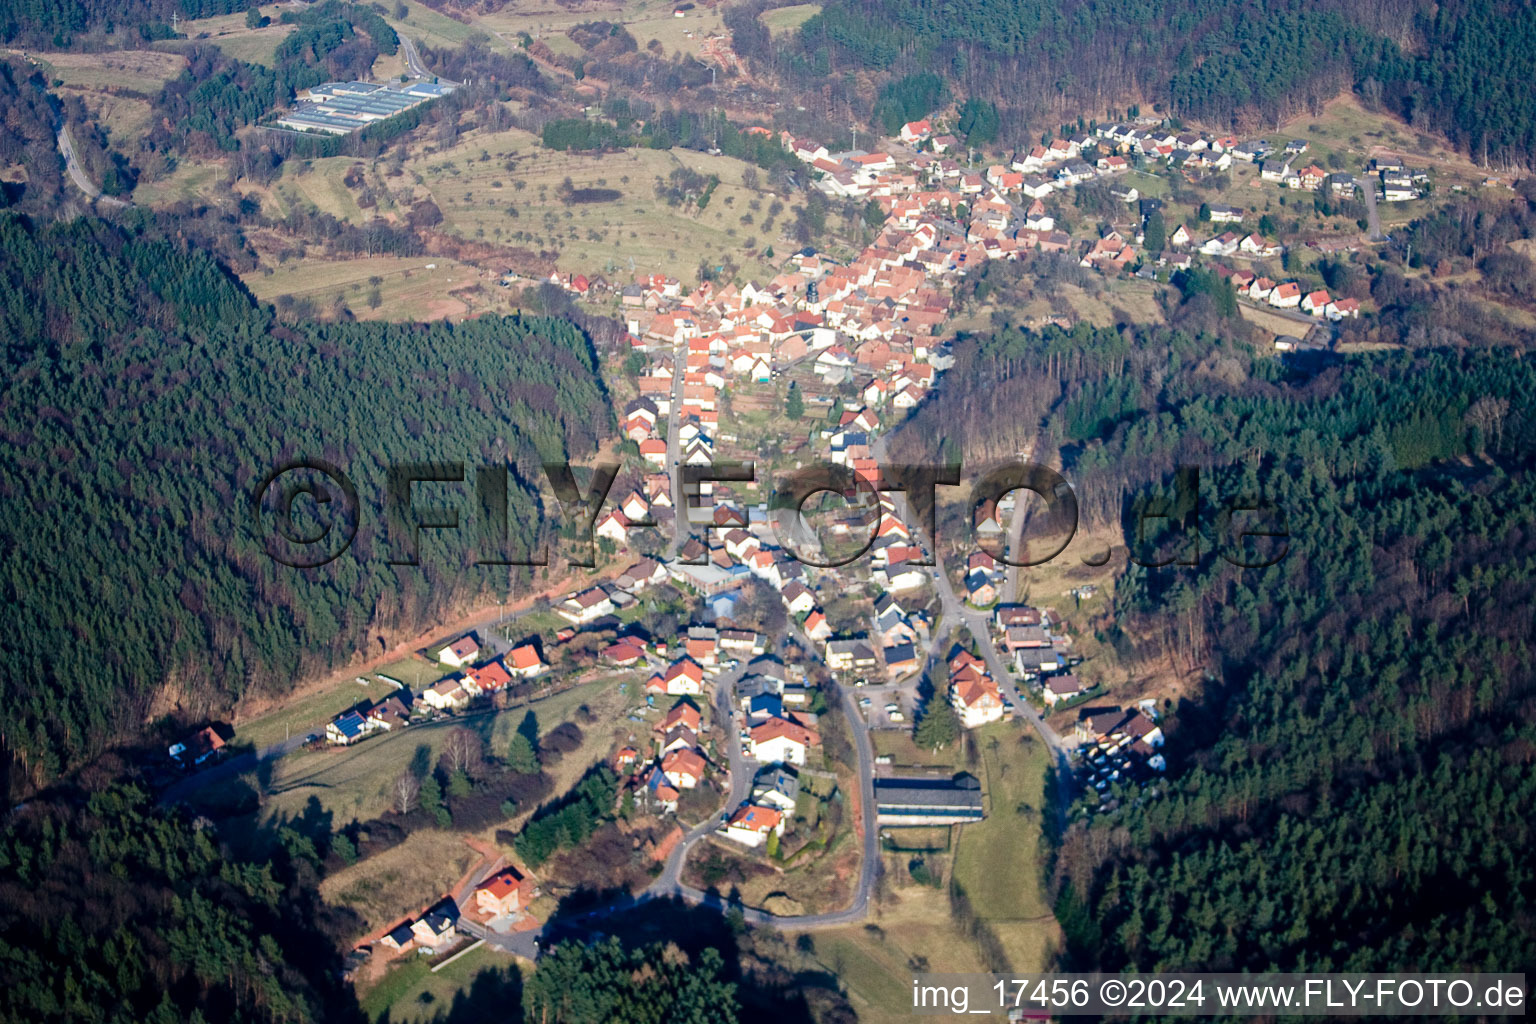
column 258, row 706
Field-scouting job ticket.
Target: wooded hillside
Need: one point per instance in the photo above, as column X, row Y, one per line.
column 148, row 395
column 1462, row 68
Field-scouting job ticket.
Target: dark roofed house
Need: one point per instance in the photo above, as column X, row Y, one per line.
column 919, row 801
column 399, row 938
column 1060, row 688
column 346, row 728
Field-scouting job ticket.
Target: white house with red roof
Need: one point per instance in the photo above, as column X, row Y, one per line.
column 684, row 768
column 751, row 825
column 1315, row 303
column 486, row 679
column 525, row 662
column 505, row 893
column 684, row 677
column 779, row 740
column 1285, row 296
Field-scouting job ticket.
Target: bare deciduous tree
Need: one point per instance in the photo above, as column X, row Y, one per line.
column 407, row 789
column 461, row 750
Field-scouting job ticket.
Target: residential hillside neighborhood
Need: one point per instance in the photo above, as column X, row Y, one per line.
column 728, row 739
column 732, row 716
column 760, row 510
column 735, row 742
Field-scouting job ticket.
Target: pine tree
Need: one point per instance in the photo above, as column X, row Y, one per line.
column 521, row 757
column 1155, row 236
column 939, row 726
column 794, row 403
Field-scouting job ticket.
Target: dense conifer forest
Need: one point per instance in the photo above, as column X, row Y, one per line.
column 114, row 912
column 147, row 395
column 1356, row 769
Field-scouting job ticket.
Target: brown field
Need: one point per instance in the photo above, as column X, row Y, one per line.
column 135, row 70
column 645, row 20
column 317, row 183
column 400, row 881
column 124, row 118
column 910, row 929
column 189, row 180
column 408, row 290
column 1270, row 321
column 228, row 33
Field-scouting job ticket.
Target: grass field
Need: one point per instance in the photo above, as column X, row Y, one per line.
column 413, row 672
column 350, row 782
column 646, row 20
column 189, row 180
column 354, row 782
column 319, row 183
column 912, row 930
column 428, row 27
column 124, row 118
column 136, row 70
column 898, row 744
column 997, row 860
column 411, row 993
column 1271, row 322
column 386, row 887
column 229, row 33
column 482, row 199
column 307, row 713
column 407, row 289
column 784, row 20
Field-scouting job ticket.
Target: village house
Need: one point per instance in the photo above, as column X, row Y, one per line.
column 389, row 714
column 589, row 605
column 1060, row 688
column 684, row 713
column 1315, row 303
column 505, row 893
column 435, row 928
column 851, row 654
column 525, row 662
column 445, row 695
column 751, row 825
column 777, row 786
column 1286, row 296
column 663, row 796
column 461, row 652
column 485, row 679
column 975, row 697
column 780, row 740
column 197, row 748
column 398, row 937
column 346, row 729
column 1338, row 309
column 684, row 769
column 684, row 677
